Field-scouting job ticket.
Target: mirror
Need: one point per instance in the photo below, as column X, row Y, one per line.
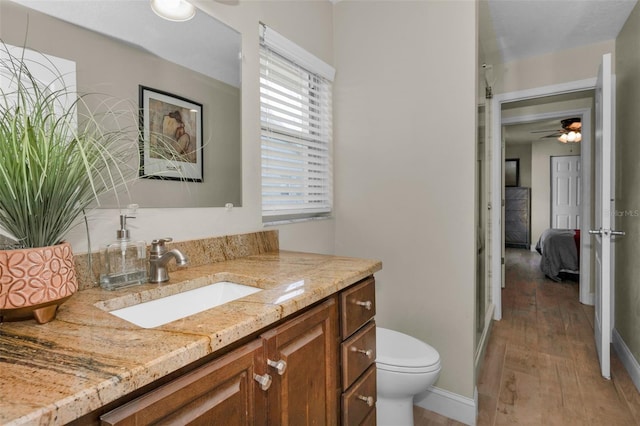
column 121, row 46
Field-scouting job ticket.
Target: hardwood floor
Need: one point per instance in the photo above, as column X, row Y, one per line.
column 540, row 366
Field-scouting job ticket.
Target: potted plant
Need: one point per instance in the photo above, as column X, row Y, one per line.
column 55, row 162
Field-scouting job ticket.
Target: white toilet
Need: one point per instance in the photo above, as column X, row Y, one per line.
column 406, row 366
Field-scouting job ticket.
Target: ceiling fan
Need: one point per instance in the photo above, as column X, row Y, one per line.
column 570, row 131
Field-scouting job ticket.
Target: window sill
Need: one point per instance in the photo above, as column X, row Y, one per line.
column 277, row 222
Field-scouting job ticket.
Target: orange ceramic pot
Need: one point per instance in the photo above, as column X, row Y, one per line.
column 35, row 281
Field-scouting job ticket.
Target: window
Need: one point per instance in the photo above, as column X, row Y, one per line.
column 296, row 131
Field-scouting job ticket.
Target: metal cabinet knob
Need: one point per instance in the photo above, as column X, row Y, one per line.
column 366, row 304
column 367, row 352
column 280, row 365
column 264, row 380
column 367, row 399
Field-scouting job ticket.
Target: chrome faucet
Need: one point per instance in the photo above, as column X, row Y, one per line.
column 159, row 257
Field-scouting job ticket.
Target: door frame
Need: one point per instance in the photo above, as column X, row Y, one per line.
column 497, row 159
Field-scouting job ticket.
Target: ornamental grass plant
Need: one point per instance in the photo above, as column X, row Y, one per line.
column 57, row 157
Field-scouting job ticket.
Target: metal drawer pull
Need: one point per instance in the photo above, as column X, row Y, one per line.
column 367, row 399
column 264, row 380
column 281, row 365
column 367, row 352
column 367, row 305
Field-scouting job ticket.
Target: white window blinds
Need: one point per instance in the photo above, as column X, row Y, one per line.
column 296, row 130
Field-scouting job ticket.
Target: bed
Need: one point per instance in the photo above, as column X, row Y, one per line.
column 560, row 252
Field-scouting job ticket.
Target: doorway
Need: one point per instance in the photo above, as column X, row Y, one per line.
column 497, row 188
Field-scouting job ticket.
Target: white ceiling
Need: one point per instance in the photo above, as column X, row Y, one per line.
column 525, row 28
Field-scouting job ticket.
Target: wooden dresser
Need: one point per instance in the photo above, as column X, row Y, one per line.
column 517, row 219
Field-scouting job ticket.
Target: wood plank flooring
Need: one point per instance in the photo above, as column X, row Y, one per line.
column 540, row 366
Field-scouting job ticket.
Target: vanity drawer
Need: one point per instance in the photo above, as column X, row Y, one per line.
column 360, row 399
column 358, row 353
column 357, row 306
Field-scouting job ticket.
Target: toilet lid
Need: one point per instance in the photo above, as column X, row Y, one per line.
column 401, row 350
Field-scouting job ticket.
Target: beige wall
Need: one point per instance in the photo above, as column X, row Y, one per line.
column 404, row 187
column 523, row 153
column 627, row 267
column 554, row 68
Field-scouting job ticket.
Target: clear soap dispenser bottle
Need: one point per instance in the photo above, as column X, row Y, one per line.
column 123, row 262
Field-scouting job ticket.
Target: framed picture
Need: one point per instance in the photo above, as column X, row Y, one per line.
column 171, row 131
column 512, row 172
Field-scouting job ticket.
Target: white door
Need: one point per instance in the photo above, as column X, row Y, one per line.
column 603, row 209
column 565, row 192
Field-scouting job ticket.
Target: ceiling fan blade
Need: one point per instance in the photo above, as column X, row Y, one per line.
column 545, row 131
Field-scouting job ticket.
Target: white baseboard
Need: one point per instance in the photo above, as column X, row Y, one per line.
column 484, row 338
column 590, row 300
column 449, row 404
column 533, row 248
column 626, row 357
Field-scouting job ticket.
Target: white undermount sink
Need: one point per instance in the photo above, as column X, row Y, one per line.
column 170, row 308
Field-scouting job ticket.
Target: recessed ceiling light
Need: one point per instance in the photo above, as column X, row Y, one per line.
column 173, row 10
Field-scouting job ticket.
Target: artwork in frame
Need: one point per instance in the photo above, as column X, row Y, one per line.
column 171, row 131
column 512, row 172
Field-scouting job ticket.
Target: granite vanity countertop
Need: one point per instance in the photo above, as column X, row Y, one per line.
column 57, row 372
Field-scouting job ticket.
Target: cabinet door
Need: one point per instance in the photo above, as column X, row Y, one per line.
column 305, row 392
column 222, row 392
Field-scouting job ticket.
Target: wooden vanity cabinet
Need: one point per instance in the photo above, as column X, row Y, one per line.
column 358, row 353
column 316, row 368
column 297, row 362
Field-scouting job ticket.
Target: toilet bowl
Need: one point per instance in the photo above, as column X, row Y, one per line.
column 405, row 367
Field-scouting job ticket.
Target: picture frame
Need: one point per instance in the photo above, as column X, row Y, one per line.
column 171, row 136
column 512, row 172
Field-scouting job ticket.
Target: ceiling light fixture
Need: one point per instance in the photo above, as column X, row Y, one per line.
column 571, row 130
column 173, row 10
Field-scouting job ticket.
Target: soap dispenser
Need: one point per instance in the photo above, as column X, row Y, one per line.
column 123, row 262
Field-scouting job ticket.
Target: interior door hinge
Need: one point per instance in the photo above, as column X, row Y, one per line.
column 502, row 260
